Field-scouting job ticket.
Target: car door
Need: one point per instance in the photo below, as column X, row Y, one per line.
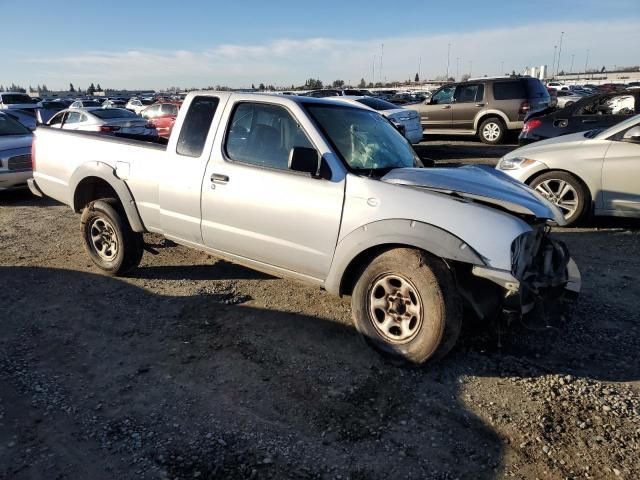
column 621, row 173
column 181, row 173
column 254, row 207
column 603, row 111
column 435, row 113
column 468, row 102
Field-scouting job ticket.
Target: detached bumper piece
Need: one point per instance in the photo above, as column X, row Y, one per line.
column 35, row 189
column 543, row 274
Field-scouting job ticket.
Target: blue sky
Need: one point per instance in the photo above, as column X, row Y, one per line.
column 197, row 43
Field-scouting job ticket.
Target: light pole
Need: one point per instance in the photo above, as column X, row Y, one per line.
column 560, row 50
column 373, row 71
column 571, row 69
column 448, row 59
column 553, row 65
column 381, row 55
column 586, row 64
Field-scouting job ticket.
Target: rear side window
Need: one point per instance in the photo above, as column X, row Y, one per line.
column 195, row 127
column 469, row 93
column 169, row 109
column 513, row 90
column 377, row 104
column 535, row 88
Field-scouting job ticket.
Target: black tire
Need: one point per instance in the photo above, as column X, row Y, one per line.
column 438, row 327
column 121, row 248
column 492, row 131
column 581, row 194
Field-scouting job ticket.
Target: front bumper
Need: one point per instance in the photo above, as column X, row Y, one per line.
column 14, row 179
column 543, row 272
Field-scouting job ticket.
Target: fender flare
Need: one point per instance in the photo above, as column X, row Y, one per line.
column 404, row 232
column 489, row 113
column 107, row 173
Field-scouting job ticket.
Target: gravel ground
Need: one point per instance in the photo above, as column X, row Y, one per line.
column 196, row 368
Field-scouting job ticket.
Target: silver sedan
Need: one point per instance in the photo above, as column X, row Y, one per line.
column 105, row 120
column 594, row 172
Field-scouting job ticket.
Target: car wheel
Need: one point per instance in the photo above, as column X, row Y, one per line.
column 492, row 131
column 406, row 306
column 108, row 238
column 566, row 192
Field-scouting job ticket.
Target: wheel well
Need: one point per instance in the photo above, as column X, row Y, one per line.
column 90, row 189
column 360, row 261
column 487, row 116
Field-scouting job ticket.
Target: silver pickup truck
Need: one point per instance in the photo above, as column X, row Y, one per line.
column 326, row 193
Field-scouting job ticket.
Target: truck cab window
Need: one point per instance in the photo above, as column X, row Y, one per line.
column 195, row 127
column 263, row 134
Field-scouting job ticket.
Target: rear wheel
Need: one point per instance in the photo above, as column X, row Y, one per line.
column 108, row 238
column 566, row 192
column 492, row 131
column 406, row 306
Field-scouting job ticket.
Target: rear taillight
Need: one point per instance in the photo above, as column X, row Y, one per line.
column 524, row 108
column 531, row 125
column 108, row 128
column 33, row 154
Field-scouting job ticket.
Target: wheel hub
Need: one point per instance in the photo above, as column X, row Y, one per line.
column 560, row 193
column 103, row 238
column 395, row 308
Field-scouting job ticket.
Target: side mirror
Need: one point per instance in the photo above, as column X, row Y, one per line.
column 632, row 135
column 431, row 101
column 303, row 159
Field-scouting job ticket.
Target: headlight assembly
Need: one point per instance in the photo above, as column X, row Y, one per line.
column 515, row 163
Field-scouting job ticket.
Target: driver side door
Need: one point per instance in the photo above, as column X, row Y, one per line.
column 436, row 112
column 255, row 207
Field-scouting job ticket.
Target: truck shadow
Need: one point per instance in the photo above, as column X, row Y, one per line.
column 243, row 391
column 24, row 198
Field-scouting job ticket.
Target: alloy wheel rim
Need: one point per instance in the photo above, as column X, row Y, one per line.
column 395, row 308
column 104, row 239
column 491, row 131
column 561, row 194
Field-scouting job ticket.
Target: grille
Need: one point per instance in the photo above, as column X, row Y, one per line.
column 19, row 162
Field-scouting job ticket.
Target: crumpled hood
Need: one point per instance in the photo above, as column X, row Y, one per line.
column 481, row 183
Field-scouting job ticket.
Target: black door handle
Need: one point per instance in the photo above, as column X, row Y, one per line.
column 218, row 178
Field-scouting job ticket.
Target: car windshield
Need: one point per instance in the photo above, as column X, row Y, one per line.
column 365, row 140
column 15, row 98
column 9, row 126
column 91, row 103
column 377, row 104
column 108, row 113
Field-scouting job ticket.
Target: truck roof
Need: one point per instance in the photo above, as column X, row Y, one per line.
column 283, row 99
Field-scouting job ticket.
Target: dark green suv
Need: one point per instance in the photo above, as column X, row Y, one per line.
column 487, row 107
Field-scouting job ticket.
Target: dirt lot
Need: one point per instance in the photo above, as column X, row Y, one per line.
column 196, row 368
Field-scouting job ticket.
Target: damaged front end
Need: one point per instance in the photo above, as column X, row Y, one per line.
column 542, row 274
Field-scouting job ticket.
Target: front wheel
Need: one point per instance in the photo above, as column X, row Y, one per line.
column 406, row 306
column 108, row 238
column 566, row 192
